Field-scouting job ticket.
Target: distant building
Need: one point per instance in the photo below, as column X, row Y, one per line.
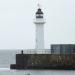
column 62, row 48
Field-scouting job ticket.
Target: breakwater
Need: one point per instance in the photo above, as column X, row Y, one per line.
column 44, row 61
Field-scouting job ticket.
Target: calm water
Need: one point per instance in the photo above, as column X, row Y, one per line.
column 35, row 72
column 7, row 57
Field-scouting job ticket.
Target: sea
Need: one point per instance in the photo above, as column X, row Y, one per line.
column 7, row 57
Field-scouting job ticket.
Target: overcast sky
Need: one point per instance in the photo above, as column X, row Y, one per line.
column 17, row 30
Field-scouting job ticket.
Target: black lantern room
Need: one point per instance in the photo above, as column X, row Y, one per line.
column 39, row 13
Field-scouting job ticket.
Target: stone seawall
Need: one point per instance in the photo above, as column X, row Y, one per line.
column 44, row 61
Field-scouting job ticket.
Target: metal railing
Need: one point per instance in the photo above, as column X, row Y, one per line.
column 37, row 51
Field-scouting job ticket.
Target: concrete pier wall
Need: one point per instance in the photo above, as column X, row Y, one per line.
column 41, row 61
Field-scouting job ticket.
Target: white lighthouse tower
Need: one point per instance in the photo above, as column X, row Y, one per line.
column 39, row 22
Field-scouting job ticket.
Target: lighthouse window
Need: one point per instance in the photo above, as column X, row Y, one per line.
column 39, row 15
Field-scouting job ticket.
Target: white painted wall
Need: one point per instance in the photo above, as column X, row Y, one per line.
column 39, row 33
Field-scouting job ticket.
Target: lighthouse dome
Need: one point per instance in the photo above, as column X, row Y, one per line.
column 39, row 11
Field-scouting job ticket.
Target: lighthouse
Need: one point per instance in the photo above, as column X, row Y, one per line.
column 39, row 24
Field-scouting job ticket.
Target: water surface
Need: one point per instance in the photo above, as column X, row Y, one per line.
column 7, row 71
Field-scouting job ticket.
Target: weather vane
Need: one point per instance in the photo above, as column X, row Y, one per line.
column 39, row 5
